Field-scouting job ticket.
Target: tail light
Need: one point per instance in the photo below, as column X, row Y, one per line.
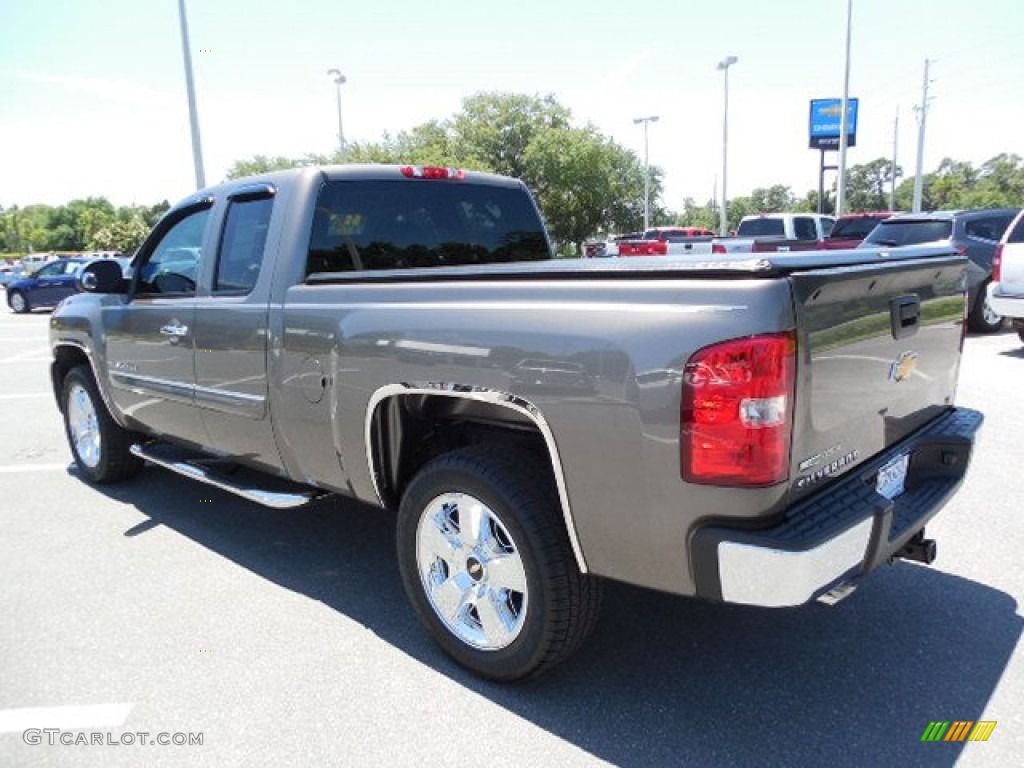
column 997, row 264
column 432, row 172
column 717, row 248
column 737, row 412
column 657, row 248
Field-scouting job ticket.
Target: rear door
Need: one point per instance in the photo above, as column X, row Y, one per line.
column 881, row 350
column 231, row 327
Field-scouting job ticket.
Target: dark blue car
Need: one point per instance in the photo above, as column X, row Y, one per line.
column 50, row 284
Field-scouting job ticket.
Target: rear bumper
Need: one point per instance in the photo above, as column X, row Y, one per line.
column 1005, row 304
column 841, row 533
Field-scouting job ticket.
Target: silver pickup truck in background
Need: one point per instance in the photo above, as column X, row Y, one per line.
column 762, row 431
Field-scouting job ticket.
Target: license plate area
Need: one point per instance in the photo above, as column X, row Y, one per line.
column 892, row 477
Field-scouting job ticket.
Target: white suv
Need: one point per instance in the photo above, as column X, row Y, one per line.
column 1006, row 291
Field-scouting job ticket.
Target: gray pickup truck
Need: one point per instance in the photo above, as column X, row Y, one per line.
column 761, row 431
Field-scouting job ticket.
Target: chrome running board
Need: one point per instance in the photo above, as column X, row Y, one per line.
column 194, row 469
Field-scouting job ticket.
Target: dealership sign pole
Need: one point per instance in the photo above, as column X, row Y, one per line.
column 826, row 128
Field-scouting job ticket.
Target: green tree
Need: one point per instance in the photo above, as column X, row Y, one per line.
column 264, row 163
column 775, row 199
column 584, row 183
column 868, row 185
column 122, row 234
column 497, row 128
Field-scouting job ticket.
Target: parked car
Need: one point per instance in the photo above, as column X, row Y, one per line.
column 47, row 286
column 9, row 273
column 850, row 229
column 1006, row 291
column 974, row 233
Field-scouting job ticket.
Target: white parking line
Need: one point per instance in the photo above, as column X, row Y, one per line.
column 87, row 716
column 24, row 356
column 18, row 469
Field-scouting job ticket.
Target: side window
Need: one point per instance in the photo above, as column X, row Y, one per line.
column 1017, row 235
column 980, row 228
column 51, row 270
column 241, row 247
column 174, row 263
column 804, row 228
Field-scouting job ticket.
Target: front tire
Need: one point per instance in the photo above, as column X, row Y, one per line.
column 18, row 302
column 983, row 319
column 98, row 443
column 487, row 564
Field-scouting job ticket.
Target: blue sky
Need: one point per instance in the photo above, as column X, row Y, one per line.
column 92, row 95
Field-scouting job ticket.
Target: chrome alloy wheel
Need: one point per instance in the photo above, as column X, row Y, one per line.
column 17, row 302
column 472, row 571
column 84, row 426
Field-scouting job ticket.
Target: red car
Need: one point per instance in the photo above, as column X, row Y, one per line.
column 849, row 230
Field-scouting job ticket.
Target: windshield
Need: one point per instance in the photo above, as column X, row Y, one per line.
column 909, row 232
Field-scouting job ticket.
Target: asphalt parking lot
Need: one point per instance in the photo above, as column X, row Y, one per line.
column 164, row 607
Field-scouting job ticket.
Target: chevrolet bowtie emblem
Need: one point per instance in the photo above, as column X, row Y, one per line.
column 903, row 366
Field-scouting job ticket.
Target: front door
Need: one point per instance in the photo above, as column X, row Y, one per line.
column 150, row 339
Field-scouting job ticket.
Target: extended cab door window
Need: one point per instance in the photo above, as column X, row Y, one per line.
column 242, row 244
column 804, row 229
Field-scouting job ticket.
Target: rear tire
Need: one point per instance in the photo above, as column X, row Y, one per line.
column 983, row 319
column 18, row 302
column 487, row 564
column 98, row 443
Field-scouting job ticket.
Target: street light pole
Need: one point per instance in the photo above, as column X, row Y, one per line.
column 647, row 169
column 844, row 119
column 723, row 222
column 193, row 116
column 339, row 80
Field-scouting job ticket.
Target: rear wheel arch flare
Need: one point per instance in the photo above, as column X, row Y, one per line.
column 517, row 411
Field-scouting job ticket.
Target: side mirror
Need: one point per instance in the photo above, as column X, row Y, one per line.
column 101, row 276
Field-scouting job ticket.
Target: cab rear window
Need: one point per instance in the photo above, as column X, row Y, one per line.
column 910, row 232
column 372, row 225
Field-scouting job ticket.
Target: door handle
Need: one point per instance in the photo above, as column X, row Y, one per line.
column 174, row 330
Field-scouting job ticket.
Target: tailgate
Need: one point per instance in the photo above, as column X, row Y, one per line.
column 879, row 356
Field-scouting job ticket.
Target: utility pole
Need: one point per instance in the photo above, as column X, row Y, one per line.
column 723, row 222
column 193, row 115
column 844, row 119
column 922, row 114
column 339, row 80
column 895, row 139
column 647, row 169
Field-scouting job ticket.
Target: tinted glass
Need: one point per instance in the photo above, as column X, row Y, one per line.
column 400, row 225
column 988, row 228
column 174, row 263
column 909, row 232
column 804, row 228
column 853, row 228
column 241, row 250
column 761, row 227
column 1017, row 235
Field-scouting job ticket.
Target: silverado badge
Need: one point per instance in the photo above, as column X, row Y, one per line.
column 903, row 366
